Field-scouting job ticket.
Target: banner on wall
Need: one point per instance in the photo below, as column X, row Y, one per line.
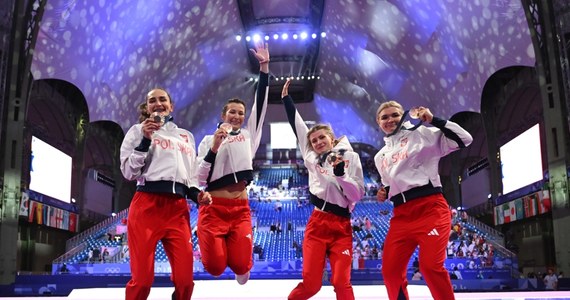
column 524, row 207
column 43, row 214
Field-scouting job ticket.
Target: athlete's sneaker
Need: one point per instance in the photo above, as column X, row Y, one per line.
column 242, row 279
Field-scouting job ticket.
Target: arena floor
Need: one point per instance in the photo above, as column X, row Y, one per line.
column 279, row 289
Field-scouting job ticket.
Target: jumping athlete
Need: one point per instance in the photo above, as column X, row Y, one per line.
column 336, row 183
column 224, row 224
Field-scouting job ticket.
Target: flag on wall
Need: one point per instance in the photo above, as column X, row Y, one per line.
column 509, row 212
column 544, row 204
column 519, row 208
column 529, row 205
column 499, row 216
column 24, row 204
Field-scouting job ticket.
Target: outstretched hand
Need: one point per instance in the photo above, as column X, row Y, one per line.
column 285, row 91
column 261, row 52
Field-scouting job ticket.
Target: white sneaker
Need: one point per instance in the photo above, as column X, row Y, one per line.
column 242, row 279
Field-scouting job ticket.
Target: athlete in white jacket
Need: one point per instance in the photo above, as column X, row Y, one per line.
column 336, row 183
column 161, row 157
column 408, row 166
column 226, row 157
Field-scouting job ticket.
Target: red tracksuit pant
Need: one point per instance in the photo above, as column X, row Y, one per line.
column 225, row 236
column 326, row 234
column 425, row 222
column 153, row 217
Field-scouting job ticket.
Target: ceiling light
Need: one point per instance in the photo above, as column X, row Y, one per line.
column 284, row 36
column 238, row 37
column 248, row 38
column 323, row 34
column 314, row 35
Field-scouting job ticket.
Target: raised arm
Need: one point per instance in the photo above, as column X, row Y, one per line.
column 295, row 120
column 257, row 116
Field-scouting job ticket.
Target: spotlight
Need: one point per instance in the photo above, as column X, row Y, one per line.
column 284, row 36
column 248, row 38
column 238, row 37
column 113, row 214
column 303, row 35
column 256, row 37
column 295, row 36
column 323, row 34
column 282, row 78
column 314, row 35
column 275, row 36
column 266, row 37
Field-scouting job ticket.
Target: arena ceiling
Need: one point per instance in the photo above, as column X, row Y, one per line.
column 435, row 53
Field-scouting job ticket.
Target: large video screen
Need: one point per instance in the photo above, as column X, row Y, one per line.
column 50, row 171
column 521, row 160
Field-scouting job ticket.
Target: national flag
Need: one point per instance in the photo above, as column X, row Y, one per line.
column 52, row 217
column 509, row 212
column 32, row 212
column 39, row 213
column 529, row 205
column 58, row 218
column 65, row 220
column 519, row 208
column 499, row 217
column 73, row 222
column 24, row 205
column 544, row 204
column 45, row 215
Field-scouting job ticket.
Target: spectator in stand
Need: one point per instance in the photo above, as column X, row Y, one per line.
column 408, row 167
column 417, row 275
column 63, row 269
column 105, row 255
column 457, row 273
column 550, row 280
column 278, row 205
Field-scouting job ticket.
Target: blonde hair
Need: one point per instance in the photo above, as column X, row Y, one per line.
column 328, row 130
column 388, row 104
